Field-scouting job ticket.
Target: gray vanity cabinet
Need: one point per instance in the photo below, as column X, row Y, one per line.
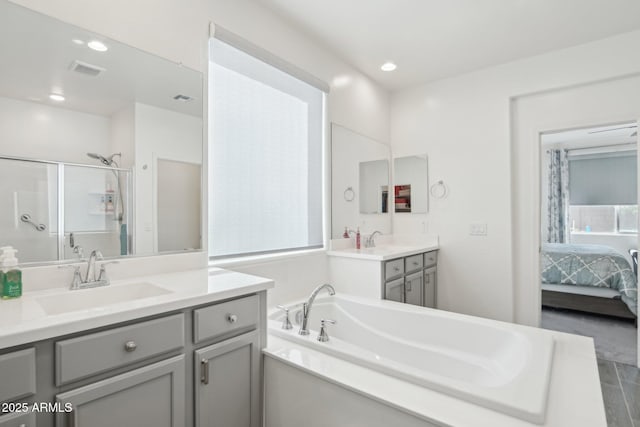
column 18, row 420
column 394, row 290
column 413, row 289
column 411, row 279
column 430, row 281
column 227, row 387
column 151, row 396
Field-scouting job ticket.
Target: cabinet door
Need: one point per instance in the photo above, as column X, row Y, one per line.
column 18, row 420
column 430, row 282
column 227, row 381
column 394, row 291
column 152, row 396
column 413, row 289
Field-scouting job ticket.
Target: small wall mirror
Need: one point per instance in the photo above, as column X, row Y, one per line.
column 411, row 184
column 359, row 182
column 101, row 144
column 374, row 187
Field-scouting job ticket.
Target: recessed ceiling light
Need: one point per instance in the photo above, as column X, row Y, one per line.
column 56, row 97
column 78, row 41
column 388, row 66
column 97, row 45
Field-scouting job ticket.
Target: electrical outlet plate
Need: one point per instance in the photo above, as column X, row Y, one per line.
column 478, row 229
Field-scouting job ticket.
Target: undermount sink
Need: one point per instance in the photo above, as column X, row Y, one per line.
column 84, row 299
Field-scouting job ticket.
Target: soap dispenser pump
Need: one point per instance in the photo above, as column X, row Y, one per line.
column 11, row 274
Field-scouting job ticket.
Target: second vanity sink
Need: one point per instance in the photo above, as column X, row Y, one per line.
column 97, row 297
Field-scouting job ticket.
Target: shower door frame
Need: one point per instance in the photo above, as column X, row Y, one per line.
column 60, row 166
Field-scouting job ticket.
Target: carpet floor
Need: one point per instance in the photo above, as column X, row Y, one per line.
column 615, row 339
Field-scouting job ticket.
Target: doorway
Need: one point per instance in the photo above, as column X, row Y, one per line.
column 589, row 236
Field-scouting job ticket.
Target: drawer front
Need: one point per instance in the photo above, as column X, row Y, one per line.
column 226, row 318
column 88, row 355
column 393, row 268
column 430, row 259
column 27, row 419
column 413, row 263
column 17, row 374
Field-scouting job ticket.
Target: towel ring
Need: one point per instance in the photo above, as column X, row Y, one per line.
column 349, row 194
column 439, row 190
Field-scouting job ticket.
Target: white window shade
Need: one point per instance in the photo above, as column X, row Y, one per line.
column 605, row 179
column 265, row 189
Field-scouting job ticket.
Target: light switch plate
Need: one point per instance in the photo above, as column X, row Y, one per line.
column 478, row 229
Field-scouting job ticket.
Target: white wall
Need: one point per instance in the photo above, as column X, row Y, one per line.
column 178, row 30
column 163, row 134
column 463, row 124
column 38, row 131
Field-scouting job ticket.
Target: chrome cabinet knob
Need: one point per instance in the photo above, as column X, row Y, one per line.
column 232, row 318
column 130, row 346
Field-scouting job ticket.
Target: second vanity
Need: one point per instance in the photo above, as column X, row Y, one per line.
column 397, row 269
column 186, row 355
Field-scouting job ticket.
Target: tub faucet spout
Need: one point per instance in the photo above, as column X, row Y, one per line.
column 306, row 307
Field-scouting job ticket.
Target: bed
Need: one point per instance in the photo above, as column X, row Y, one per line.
column 592, row 278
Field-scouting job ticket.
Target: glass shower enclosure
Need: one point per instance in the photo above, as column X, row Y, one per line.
column 55, row 211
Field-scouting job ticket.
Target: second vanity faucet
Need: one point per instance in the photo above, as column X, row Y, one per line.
column 370, row 241
column 306, row 307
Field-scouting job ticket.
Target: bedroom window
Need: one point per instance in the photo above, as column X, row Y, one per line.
column 265, row 154
column 620, row 219
column 603, row 192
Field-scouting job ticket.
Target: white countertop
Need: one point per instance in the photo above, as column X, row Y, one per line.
column 24, row 320
column 387, row 247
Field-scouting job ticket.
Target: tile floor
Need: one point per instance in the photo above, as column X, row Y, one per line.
column 621, row 392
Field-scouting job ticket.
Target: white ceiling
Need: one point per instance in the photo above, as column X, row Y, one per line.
column 432, row 39
column 36, row 52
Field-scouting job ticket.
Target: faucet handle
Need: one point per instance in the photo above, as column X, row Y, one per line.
column 286, row 323
column 323, row 336
column 77, row 277
column 102, row 275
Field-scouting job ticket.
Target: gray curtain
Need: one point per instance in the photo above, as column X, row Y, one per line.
column 558, row 198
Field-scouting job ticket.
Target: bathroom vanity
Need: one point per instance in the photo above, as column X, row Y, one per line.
column 395, row 269
column 186, row 357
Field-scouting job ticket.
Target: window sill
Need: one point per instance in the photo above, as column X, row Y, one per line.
column 259, row 259
column 600, row 233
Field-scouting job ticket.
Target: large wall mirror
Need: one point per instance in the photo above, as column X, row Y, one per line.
column 359, row 183
column 100, row 144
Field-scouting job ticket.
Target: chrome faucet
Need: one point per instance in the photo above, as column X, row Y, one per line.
column 370, row 241
column 91, row 279
column 306, row 307
column 91, row 266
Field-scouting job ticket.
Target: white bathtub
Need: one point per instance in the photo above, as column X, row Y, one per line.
column 499, row 366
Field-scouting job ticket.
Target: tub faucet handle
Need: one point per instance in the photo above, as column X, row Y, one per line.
column 286, row 323
column 323, row 336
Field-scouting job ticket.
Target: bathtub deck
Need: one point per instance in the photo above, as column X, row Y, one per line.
column 575, row 397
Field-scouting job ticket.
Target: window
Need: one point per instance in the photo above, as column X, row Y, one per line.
column 266, row 156
column 602, row 193
column 604, row 219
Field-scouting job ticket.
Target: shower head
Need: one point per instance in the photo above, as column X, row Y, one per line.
column 107, row 161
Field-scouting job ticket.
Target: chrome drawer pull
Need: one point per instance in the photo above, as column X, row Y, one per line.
column 415, row 262
column 204, row 371
column 130, row 346
column 232, row 318
column 396, row 268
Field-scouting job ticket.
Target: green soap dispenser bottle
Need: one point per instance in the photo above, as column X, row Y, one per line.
column 11, row 274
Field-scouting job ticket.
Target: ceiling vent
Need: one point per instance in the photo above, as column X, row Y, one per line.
column 86, row 69
column 183, row 98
